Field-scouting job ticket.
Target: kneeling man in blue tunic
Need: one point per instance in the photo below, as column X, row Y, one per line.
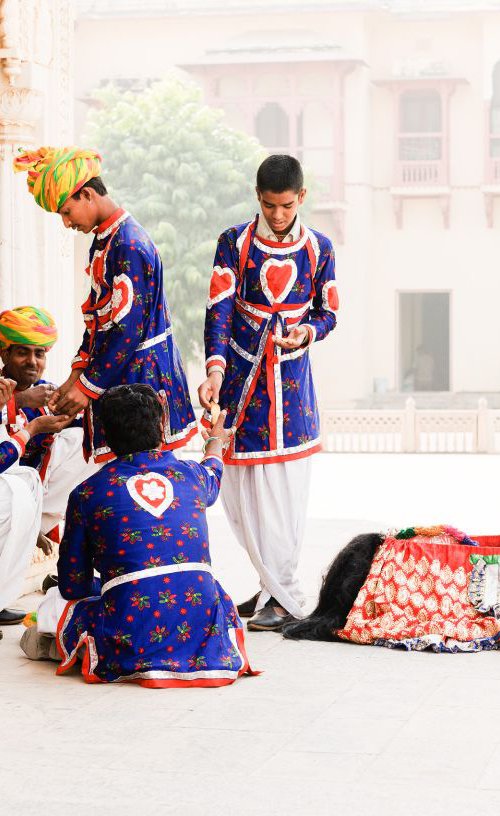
column 156, row 615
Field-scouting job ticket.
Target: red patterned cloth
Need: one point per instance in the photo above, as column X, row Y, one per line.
column 416, row 597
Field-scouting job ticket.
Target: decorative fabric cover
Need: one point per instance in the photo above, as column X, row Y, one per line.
column 417, row 595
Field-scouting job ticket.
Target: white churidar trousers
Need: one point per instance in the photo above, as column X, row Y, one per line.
column 20, row 513
column 50, row 611
column 67, row 469
column 266, row 506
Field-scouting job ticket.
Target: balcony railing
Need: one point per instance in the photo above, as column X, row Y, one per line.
column 412, row 431
column 420, row 161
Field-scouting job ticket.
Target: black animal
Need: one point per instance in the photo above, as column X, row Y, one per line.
column 341, row 584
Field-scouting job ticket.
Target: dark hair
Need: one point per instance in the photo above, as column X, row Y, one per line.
column 96, row 183
column 345, row 577
column 278, row 173
column 131, row 417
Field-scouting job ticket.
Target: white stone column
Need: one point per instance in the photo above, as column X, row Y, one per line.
column 36, row 107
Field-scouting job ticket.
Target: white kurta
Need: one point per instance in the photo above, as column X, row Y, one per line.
column 67, row 469
column 20, row 513
column 266, row 506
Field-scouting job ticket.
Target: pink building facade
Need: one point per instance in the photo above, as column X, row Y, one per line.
column 395, row 113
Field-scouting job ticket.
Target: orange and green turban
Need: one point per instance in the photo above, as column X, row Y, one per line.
column 27, row 326
column 56, row 173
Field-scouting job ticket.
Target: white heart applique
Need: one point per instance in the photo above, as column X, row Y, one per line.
column 151, row 491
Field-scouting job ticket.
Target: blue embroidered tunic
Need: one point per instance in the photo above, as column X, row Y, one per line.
column 260, row 288
column 160, row 618
column 128, row 336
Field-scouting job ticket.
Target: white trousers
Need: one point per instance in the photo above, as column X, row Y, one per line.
column 20, row 512
column 67, row 469
column 266, row 506
column 50, row 611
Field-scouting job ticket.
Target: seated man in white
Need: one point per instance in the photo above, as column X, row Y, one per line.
column 20, row 505
column 26, row 335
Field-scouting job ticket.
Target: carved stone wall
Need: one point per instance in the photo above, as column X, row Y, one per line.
column 36, row 107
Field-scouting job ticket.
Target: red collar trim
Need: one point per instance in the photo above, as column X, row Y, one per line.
column 109, row 221
column 280, row 243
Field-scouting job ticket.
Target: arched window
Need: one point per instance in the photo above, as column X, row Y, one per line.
column 420, row 125
column 272, row 127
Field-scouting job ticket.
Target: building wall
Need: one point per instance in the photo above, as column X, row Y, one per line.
column 36, row 107
column 376, row 258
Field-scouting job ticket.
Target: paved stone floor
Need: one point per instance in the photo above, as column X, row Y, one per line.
column 326, row 729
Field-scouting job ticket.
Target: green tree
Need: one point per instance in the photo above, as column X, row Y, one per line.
column 185, row 175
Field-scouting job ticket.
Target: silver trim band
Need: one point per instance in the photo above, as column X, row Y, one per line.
column 149, row 572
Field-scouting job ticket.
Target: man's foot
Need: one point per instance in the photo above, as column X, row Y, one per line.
column 49, row 581
column 269, row 619
column 247, row 608
column 11, row 617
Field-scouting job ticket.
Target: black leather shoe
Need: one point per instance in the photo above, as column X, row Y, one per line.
column 49, row 581
column 10, row 617
column 247, row 608
column 268, row 619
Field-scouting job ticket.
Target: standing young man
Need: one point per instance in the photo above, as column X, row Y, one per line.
column 128, row 336
column 272, row 294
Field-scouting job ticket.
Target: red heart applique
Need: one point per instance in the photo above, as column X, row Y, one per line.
column 277, row 279
column 222, row 284
column 122, row 297
column 330, row 297
column 151, row 491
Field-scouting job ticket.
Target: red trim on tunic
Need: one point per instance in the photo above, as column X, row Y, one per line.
column 11, row 410
column 90, row 677
column 86, row 391
column 244, row 252
column 103, row 457
column 271, row 360
column 280, row 244
column 21, row 440
column 110, row 220
column 271, row 460
column 179, row 443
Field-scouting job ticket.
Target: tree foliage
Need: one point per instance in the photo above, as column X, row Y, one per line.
column 184, row 174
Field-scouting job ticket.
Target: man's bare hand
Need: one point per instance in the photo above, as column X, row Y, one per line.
column 6, row 390
column 48, row 423
column 294, row 340
column 218, row 434
column 209, row 389
column 71, row 402
column 36, row 397
column 63, row 390
column 45, row 544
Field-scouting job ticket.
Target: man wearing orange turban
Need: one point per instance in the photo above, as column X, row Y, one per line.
column 26, row 441
column 55, row 452
column 56, row 174
column 128, row 337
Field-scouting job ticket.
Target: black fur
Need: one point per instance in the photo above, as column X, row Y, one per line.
column 341, row 584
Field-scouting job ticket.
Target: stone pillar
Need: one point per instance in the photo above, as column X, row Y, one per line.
column 36, row 107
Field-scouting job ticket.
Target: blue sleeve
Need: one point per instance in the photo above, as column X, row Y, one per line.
column 209, row 473
column 221, row 300
column 9, row 454
column 114, row 348
column 75, row 567
column 322, row 316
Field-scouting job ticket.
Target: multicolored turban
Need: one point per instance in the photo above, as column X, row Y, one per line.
column 56, row 173
column 27, row 326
